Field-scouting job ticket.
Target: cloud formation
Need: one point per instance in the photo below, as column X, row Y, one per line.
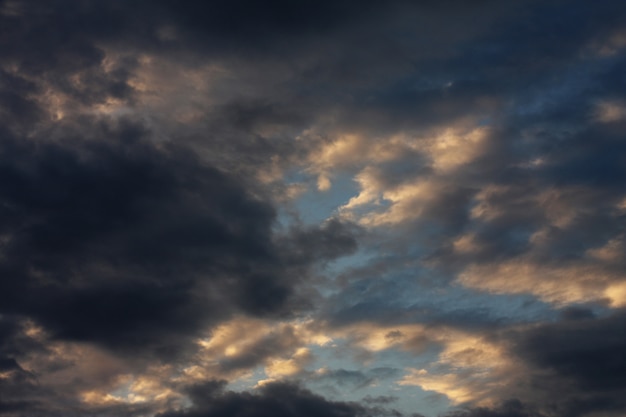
column 275, row 399
column 409, row 208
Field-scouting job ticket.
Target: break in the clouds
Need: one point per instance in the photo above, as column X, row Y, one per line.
column 338, row 208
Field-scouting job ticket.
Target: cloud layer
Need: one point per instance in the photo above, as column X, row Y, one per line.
column 339, row 208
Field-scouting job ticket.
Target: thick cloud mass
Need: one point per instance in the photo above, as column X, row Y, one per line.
column 280, row 400
column 117, row 242
column 124, row 243
column 579, row 362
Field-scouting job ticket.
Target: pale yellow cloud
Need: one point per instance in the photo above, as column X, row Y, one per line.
column 612, row 251
column 344, row 150
column 454, row 148
column 371, row 187
column 405, row 202
column 105, row 378
column 149, row 387
column 99, row 398
column 236, row 337
column 242, row 335
column 279, row 368
column 616, row 293
column 564, row 284
column 323, row 182
column 374, row 337
column 470, row 369
column 389, row 204
column 455, row 388
column 381, row 203
column 465, row 244
column 233, row 336
column 446, row 148
column 110, row 380
column 352, row 149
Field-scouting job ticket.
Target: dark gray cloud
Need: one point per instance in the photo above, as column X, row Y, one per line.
column 127, row 235
column 138, row 249
column 510, row 408
column 280, row 400
column 581, row 363
column 122, row 243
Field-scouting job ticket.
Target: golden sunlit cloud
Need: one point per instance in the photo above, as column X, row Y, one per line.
column 561, row 285
column 447, row 151
column 466, row 244
column 279, row 368
column 243, row 336
column 469, row 369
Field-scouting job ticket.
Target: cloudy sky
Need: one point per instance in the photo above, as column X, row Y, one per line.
column 332, row 208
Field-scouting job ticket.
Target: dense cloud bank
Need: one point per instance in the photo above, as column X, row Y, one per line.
column 281, row 400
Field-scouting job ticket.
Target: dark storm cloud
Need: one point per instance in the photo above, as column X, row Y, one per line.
column 122, row 243
column 14, row 102
column 511, row 408
column 582, row 362
column 109, row 238
column 247, row 20
column 58, row 45
column 106, row 240
column 58, row 39
column 216, row 26
column 323, row 242
column 138, row 248
column 73, row 40
column 279, row 400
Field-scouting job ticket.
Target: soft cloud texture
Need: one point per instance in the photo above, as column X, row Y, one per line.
column 341, row 208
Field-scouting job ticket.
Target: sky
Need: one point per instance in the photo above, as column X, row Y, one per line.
column 332, row 208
